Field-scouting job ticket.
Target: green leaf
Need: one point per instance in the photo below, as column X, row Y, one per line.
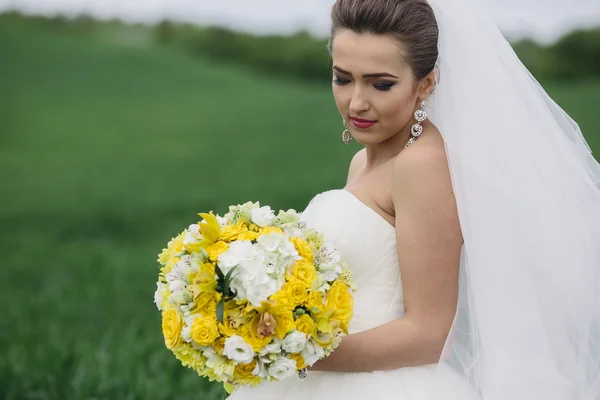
column 220, row 310
column 219, row 273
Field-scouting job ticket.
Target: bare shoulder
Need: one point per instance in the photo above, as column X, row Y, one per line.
column 424, row 157
column 358, row 161
column 421, row 173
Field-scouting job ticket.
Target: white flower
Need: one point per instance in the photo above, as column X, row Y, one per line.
column 292, row 231
column 282, row 368
column 273, row 347
column 238, row 252
column 312, row 352
column 158, row 295
column 328, row 254
column 260, row 370
column 294, row 342
column 220, row 365
column 238, row 350
column 263, row 216
column 193, row 234
column 329, row 272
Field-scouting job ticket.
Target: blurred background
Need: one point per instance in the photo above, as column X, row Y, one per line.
column 121, row 119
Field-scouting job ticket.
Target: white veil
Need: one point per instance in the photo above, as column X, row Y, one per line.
column 528, row 195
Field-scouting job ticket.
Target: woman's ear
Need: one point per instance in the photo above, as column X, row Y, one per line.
column 427, row 85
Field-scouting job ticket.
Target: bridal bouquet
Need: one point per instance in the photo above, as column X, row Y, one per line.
column 252, row 296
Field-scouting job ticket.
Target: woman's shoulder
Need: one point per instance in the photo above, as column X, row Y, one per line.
column 423, row 161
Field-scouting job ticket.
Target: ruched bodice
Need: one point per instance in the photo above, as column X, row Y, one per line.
column 368, row 244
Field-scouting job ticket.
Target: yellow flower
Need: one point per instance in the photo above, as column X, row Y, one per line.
column 270, row 229
column 251, row 335
column 233, row 318
column 303, row 249
column 300, row 363
column 243, row 374
column 281, row 313
column 340, row 299
column 231, row 232
column 189, row 356
column 219, row 345
column 248, row 235
column 314, row 302
column 206, row 304
column 303, row 271
column 210, row 229
column 171, row 327
column 305, row 324
column 293, row 293
column 204, row 331
column 215, row 250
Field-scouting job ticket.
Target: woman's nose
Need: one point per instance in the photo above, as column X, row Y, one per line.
column 358, row 102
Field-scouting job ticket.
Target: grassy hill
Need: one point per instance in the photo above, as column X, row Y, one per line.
column 107, row 149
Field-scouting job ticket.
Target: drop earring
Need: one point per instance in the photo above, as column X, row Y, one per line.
column 346, row 136
column 417, row 129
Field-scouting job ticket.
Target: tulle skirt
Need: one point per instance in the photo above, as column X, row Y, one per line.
column 429, row 382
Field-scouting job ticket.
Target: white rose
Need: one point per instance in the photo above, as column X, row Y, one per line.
column 312, row 352
column 294, row 342
column 273, row 347
column 158, row 295
column 263, row 216
column 282, row 368
column 238, row 350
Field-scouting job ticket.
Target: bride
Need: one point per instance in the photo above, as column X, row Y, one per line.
column 471, row 218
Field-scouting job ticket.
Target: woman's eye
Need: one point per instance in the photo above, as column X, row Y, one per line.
column 383, row 86
column 339, row 81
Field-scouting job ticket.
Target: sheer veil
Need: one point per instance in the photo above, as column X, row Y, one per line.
column 528, row 195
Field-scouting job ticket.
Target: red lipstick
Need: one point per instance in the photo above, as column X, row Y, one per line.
column 363, row 123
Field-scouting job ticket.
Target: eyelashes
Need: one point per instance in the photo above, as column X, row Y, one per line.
column 382, row 86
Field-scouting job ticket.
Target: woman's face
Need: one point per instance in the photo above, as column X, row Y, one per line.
column 373, row 88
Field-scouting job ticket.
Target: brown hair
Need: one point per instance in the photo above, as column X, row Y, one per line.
column 412, row 22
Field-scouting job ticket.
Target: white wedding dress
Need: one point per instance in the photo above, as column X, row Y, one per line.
column 368, row 243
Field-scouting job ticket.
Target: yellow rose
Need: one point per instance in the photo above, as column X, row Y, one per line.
column 206, row 304
column 292, row 293
column 231, row 232
column 270, row 229
column 171, row 327
column 248, row 236
column 303, row 249
column 300, row 363
column 215, row 250
column 340, row 299
column 303, row 271
column 243, row 373
column 204, row 331
column 314, row 302
column 305, row 324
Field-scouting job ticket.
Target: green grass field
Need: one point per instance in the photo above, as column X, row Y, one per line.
column 107, row 150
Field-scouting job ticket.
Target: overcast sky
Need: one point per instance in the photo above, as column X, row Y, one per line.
column 544, row 20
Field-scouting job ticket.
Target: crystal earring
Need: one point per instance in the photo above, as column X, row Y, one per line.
column 417, row 129
column 346, row 136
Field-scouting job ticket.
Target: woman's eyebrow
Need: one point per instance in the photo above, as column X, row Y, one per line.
column 374, row 75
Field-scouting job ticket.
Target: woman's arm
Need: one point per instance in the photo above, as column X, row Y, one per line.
column 429, row 243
